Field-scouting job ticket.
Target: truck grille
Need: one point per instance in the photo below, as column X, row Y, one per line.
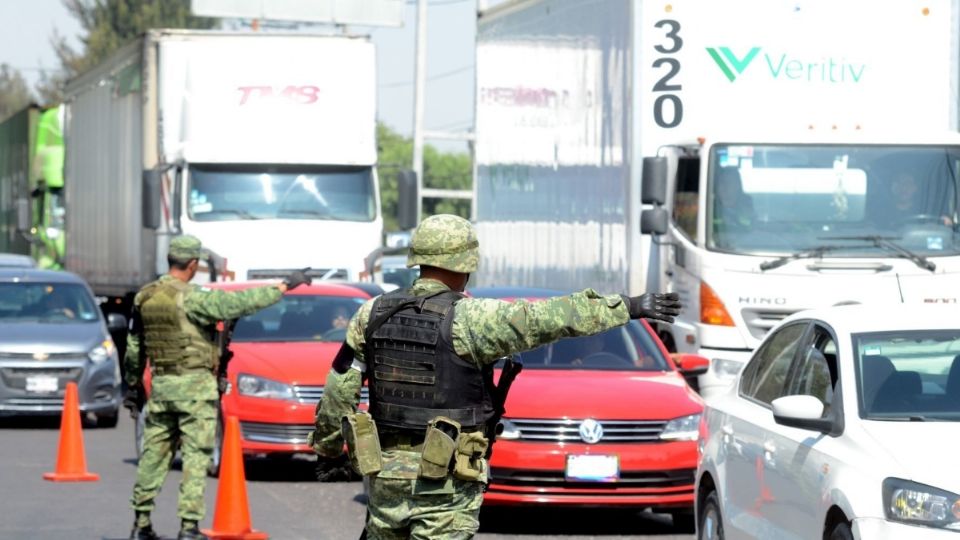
column 556, row 479
column 761, row 320
column 276, row 433
column 312, row 394
column 614, row 431
column 281, row 273
column 16, row 377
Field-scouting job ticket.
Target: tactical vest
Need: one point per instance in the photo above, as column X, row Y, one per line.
column 414, row 373
column 173, row 344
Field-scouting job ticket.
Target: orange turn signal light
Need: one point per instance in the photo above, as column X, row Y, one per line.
column 712, row 310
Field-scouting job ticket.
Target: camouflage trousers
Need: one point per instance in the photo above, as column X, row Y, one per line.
column 193, row 424
column 402, row 509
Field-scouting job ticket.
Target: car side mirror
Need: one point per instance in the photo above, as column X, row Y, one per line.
column 654, row 221
column 116, row 322
column 690, row 364
column 151, row 198
column 801, row 411
column 407, row 199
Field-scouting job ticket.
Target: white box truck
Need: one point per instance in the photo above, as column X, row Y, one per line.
column 781, row 156
column 262, row 145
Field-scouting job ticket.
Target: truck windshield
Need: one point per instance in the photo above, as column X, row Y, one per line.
column 218, row 193
column 767, row 199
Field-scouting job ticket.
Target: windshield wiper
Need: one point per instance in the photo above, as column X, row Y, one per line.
column 304, row 212
column 809, row 253
column 235, row 211
column 888, row 243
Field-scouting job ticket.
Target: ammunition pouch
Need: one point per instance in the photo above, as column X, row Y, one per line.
column 363, row 443
column 439, row 446
column 471, row 448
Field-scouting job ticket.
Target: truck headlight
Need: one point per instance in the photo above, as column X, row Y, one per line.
column 920, row 504
column 509, row 430
column 685, row 428
column 102, row 352
column 253, row 386
column 726, row 369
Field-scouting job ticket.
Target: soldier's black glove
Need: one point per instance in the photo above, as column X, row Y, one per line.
column 133, row 399
column 659, row 306
column 336, row 469
column 298, row 278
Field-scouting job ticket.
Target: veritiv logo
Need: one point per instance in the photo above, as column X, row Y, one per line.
column 730, row 63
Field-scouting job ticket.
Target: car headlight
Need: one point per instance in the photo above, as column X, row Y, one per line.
column 685, row 428
column 251, row 385
column 726, row 369
column 102, row 352
column 508, row 430
column 920, row 504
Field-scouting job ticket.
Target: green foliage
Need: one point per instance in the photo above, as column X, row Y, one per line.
column 14, row 92
column 108, row 25
column 441, row 170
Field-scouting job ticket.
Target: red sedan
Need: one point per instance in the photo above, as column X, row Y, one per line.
column 605, row 420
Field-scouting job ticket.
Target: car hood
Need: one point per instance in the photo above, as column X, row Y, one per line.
column 608, row 395
column 304, row 363
column 922, row 450
column 50, row 337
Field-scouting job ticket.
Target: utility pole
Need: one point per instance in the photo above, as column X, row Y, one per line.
column 419, row 90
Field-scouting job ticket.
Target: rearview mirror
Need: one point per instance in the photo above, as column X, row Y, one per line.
column 151, row 198
column 654, row 221
column 801, row 411
column 407, row 198
column 23, row 214
column 653, row 184
column 690, row 364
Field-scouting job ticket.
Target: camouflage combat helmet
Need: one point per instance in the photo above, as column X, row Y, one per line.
column 445, row 241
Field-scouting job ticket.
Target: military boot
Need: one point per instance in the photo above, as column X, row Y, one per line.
column 142, row 528
column 190, row 531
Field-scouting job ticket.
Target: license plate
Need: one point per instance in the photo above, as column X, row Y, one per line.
column 592, row 468
column 42, row 384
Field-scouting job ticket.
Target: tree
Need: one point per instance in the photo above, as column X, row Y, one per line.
column 108, row 25
column 442, row 170
column 14, row 92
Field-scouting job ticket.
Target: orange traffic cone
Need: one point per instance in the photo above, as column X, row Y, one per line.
column 232, row 516
column 71, row 461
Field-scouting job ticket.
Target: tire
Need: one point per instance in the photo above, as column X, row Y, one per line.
column 684, row 522
column 108, row 420
column 710, row 524
column 841, row 531
column 213, row 471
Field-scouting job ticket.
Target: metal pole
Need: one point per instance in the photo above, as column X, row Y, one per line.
column 418, row 104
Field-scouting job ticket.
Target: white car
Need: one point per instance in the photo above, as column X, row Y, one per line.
column 845, row 423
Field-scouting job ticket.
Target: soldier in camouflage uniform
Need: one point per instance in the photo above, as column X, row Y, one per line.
column 174, row 326
column 395, row 356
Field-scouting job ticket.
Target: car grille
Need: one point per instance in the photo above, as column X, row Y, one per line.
column 761, row 320
column 619, row 431
column 540, row 478
column 281, row 273
column 48, row 356
column 312, row 394
column 276, row 433
column 16, row 377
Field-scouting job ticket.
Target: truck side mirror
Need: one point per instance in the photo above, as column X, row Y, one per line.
column 23, row 214
column 654, row 221
column 653, row 187
column 407, row 195
column 151, row 198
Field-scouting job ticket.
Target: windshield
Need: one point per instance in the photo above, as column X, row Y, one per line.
column 785, row 199
column 335, row 193
column 627, row 347
column 47, row 303
column 300, row 318
column 909, row 375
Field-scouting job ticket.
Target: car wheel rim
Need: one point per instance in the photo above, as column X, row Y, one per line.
column 711, row 525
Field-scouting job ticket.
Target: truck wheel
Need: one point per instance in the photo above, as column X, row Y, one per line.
column 213, row 471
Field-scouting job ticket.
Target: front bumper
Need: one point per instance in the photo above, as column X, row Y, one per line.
column 98, row 386
column 718, row 378
column 867, row 528
column 657, row 475
column 271, row 426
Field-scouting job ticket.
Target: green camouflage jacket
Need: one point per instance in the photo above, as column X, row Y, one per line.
column 484, row 330
column 205, row 307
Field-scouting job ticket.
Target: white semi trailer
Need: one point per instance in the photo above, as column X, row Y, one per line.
column 599, row 119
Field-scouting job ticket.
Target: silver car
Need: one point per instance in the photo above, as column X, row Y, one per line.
column 52, row 332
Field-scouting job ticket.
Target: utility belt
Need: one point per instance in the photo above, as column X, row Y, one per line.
column 177, row 370
column 444, row 448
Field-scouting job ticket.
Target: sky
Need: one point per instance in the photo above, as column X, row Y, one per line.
column 26, row 27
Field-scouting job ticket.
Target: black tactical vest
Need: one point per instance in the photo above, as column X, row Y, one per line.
column 414, row 373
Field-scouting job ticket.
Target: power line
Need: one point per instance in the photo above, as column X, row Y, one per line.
column 431, row 78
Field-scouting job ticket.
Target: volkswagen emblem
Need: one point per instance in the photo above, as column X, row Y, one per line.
column 40, row 356
column 591, row 431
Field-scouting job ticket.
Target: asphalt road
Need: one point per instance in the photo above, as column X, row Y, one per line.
column 285, row 501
